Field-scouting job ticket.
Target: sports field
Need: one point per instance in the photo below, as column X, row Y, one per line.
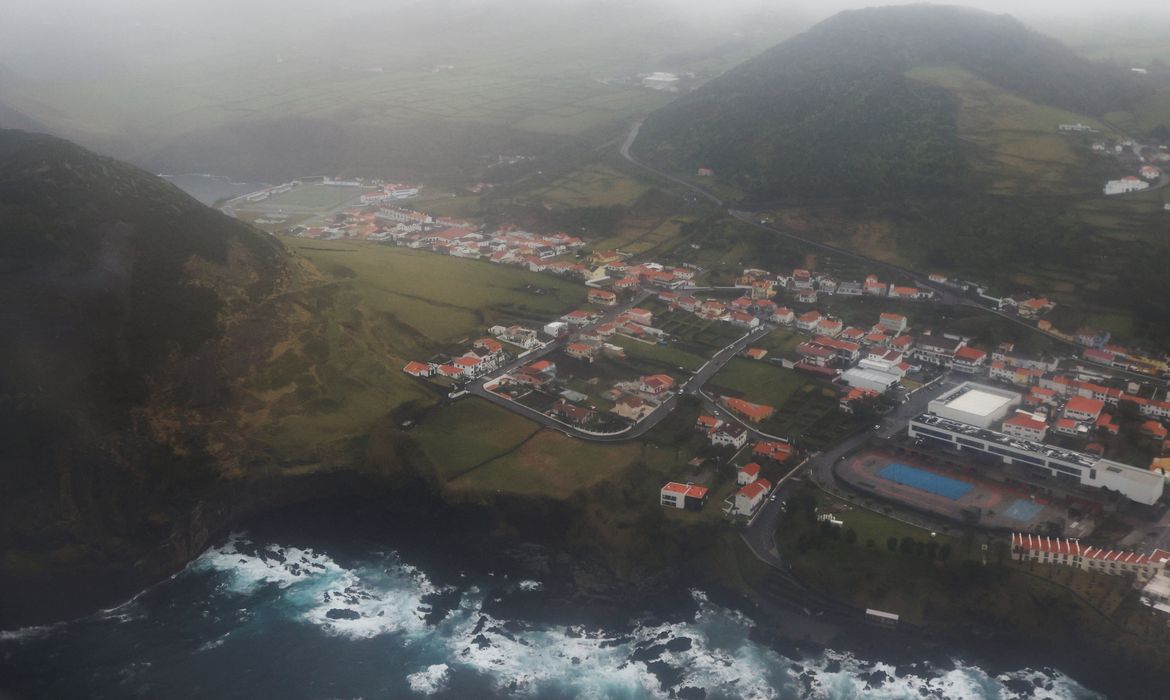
column 959, row 492
column 926, row 481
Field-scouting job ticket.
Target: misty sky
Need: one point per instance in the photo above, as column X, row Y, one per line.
column 114, row 34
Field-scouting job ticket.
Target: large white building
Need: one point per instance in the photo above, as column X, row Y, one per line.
column 1136, row 484
column 1126, row 184
column 975, row 404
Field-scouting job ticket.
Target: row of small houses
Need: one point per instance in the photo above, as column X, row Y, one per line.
column 806, row 285
column 486, row 355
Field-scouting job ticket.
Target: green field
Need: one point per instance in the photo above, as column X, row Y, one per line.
column 471, row 432
column 759, row 381
column 806, row 410
column 315, row 196
column 592, row 186
column 433, row 299
column 550, row 464
column 659, row 358
column 1019, row 147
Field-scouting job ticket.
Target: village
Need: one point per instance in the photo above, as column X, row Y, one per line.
column 869, row 417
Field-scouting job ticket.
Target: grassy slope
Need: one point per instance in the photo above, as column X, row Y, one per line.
column 1018, row 147
column 436, row 298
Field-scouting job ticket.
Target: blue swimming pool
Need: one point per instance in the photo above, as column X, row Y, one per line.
column 926, row 481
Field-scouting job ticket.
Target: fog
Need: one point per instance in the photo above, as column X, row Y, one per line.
column 91, row 33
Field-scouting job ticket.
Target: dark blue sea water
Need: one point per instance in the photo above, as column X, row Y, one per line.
column 282, row 613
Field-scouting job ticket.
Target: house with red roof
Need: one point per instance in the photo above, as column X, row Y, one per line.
column 581, row 351
column 603, row 297
column 688, row 496
column 706, row 423
column 747, row 474
column 783, row 315
column 894, row 323
column 742, row 319
column 728, row 435
column 755, row 353
column 1028, row 426
column 640, row 316
column 750, row 497
column 1080, row 408
column 419, row 369
column 488, row 345
column 655, row 384
column 1154, row 429
column 451, row 371
column 569, row 413
column 850, row 400
column 772, row 450
column 968, row 360
column 830, row 327
column 747, row 410
column 1069, row 552
column 633, row 408
column 808, row 321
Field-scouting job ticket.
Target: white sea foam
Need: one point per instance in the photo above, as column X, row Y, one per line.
column 430, row 680
column 712, row 651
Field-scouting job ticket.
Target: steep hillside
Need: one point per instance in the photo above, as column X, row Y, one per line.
column 125, row 301
column 833, row 113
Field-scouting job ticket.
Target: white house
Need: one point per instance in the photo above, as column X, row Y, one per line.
column 749, row 498
column 747, row 474
column 728, row 435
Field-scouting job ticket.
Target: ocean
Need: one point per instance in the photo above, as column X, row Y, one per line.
column 289, row 609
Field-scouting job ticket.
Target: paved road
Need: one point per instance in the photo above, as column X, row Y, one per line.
column 760, row 535
column 691, row 386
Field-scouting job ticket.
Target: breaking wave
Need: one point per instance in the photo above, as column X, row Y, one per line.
column 451, row 635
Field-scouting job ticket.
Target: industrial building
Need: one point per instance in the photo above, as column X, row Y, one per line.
column 871, row 379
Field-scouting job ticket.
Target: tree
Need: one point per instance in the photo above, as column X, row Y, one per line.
column 907, row 545
column 892, row 544
column 944, row 552
column 850, row 536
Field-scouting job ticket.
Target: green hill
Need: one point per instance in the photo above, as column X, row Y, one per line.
column 833, row 112
column 126, row 305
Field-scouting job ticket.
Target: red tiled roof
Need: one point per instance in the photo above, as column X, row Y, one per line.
column 1023, row 420
column 1082, row 404
column 751, row 469
column 756, row 489
column 970, row 354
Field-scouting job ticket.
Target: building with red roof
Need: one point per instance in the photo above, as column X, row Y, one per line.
column 655, row 384
column 747, row 474
column 603, row 297
column 749, row 498
column 968, row 359
column 1069, row 552
column 1026, row 425
column 689, row 496
column 1080, row 408
column 419, row 369
column 772, row 450
column 748, row 411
